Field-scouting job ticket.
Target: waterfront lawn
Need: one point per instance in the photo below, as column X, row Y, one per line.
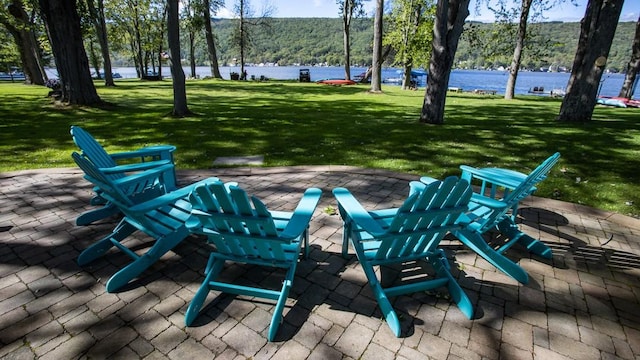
column 308, row 124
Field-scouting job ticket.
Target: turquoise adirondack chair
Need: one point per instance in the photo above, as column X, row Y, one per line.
column 495, row 207
column 409, row 233
column 161, row 217
column 244, row 231
column 139, row 160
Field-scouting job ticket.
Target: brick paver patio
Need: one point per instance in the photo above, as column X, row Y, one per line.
column 583, row 304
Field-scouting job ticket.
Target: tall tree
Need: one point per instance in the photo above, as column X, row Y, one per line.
column 157, row 26
column 63, row 26
column 247, row 23
column 518, row 49
column 208, row 5
column 21, row 27
column 243, row 10
column 410, row 35
column 525, row 11
column 96, row 14
column 447, row 28
column 597, row 29
column 180, row 108
column 633, row 67
column 192, row 21
column 376, row 74
column 140, row 24
column 348, row 9
column 136, row 8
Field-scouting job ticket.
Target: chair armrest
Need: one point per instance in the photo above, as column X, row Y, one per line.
column 120, row 169
column 155, row 151
column 147, row 175
column 353, row 210
column 194, row 225
column 427, row 180
column 502, row 177
column 488, row 202
column 418, row 186
column 168, row 198
column 302, row 214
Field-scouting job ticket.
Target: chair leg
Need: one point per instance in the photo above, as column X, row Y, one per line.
column 442, row 267
column 305, row 239
column 383, row 301
column 142, row 263
column 213, row 269
column 276, row 318
column 346, row 232
column 480, row 246
column 98, row 249
column 387, row 310
column 91, row 216
column 534, row 246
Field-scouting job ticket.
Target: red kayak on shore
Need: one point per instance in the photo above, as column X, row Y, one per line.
column 336, row 82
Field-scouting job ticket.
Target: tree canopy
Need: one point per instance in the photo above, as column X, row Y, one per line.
column 308, row 41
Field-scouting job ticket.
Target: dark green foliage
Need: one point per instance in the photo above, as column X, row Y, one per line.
column 300, row 41
column 310, row 41
column 9, row 56
column 557, row 44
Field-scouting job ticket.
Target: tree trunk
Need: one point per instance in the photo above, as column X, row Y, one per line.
column 367, row 74
column 242, row 38
column 132, row 48
column 346, row 24
column 447, row 28
column 161, row 53
column 596, row 34
column 93, row 59
column 137, row 38
column 211, row 45
column 406, row 76
column 192, row 53
column 180, row 108
column 376, row 74
column 160, row 58
column 97, row 17
column 517, row 51
column 63, row 26
column 27, row 44
column 633, row 67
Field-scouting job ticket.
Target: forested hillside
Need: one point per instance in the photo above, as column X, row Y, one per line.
column 299, row 41
column 309, row 41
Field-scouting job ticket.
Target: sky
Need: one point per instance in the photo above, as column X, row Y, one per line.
column 328, row 8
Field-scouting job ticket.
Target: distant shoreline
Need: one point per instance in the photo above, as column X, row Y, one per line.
column 485, row 81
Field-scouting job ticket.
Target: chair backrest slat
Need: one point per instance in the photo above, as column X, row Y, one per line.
column 203, row 199
column 92, row 149
column 268, row 226
column 97, row 177
column 159, row 221
column 424, row 219
column 524, row 189
column 238, row 225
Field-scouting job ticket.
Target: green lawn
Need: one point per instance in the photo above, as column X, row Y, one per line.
column 309, row 124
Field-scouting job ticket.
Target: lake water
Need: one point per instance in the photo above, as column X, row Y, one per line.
column 467, row 80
